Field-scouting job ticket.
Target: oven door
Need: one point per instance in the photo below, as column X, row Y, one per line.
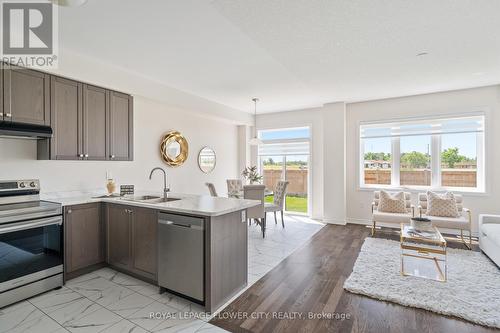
column 30, row 251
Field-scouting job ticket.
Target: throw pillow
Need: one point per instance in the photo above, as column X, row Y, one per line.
column 392, row 203
column 443, row 205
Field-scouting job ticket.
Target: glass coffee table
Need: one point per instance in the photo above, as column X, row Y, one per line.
column 423, row 253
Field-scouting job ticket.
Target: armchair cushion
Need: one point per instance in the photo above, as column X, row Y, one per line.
column 461, row 222
column 492, row 231
column 443, row 205
column 270, row 207
column 392, row 203
column 397, row 218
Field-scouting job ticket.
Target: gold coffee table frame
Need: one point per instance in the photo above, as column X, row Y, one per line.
column 422, row 248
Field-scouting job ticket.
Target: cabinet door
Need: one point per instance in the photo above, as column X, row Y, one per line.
column 83, row 236
column 119, row 235
column 66, row 115
column 26, row 96
column 95, row 106
column 144, row 233
column 120, row 137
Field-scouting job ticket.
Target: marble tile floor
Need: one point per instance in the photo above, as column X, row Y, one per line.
column 109, row 301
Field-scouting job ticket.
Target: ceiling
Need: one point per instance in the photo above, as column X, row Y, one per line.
column 293, row 54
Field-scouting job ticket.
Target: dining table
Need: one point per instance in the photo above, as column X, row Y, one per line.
column 239, row 194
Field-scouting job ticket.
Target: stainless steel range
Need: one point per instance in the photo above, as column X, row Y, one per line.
column 31, row 242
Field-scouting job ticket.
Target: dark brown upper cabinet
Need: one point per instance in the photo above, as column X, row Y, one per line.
column 26, row 96
column 67, row 119
column 95, row 121
column 121, row 131
column 89, row 123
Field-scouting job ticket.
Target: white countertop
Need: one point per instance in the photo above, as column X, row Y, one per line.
column 203, row 205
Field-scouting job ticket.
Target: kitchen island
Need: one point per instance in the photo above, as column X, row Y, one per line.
column 127, row 234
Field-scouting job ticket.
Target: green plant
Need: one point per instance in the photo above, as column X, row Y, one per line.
column 251, row 174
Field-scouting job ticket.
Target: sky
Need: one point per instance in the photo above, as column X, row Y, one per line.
column 465, row 142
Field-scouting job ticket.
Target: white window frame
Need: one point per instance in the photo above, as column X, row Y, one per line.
column 435, row 159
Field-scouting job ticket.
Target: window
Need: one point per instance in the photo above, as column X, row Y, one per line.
column 284, row 155
column 415, row 160
column 437, row 153
column 377, row 161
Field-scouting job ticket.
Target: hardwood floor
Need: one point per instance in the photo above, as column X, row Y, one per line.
column 311, row 280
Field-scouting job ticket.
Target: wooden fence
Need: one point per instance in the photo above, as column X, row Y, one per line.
column 451, row 178
column 297, row 179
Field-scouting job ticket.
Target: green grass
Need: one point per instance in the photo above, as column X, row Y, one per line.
column 293, row 204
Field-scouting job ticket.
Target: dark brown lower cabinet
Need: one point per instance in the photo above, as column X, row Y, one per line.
column 131, row 241
column 118, row 235
column 84, row 236
column 144, row 240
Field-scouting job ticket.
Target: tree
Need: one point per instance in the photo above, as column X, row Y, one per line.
column 371, row 156
column 415, row 160
column 451, row 156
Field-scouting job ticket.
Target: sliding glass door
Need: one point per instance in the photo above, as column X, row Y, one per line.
column 284, row 155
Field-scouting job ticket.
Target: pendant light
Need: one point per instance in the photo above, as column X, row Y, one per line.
column 255, row 141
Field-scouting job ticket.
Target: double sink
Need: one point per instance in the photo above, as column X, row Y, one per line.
column 149, row 199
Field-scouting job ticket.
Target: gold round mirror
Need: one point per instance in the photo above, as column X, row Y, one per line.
column 207, row 159
column 174, row 148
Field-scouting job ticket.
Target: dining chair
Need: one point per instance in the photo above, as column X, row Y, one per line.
column 256, row 192
column 278, row 204
column 234, row 186
column 212, row 190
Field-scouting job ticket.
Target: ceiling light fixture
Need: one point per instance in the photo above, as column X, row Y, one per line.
column 255, row 141
column 422, row 54
column 69, row 3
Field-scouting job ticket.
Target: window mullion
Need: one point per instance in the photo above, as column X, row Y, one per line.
column 395, row 161
column 436, row 161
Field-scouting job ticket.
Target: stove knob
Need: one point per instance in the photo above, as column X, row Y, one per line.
column 22, row 185
column 32, row 184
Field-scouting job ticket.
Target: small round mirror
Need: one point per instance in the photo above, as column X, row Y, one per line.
column 207, row 159
column 174, row 148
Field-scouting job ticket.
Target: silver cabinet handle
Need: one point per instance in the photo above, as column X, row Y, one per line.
column 1, row 114
column 80, row 155
column 86, row 155
column 70, row 211
column 112, row 156
column 8, row 115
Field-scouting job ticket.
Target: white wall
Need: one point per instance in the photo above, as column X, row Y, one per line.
column 151, row 120
column 334, row 167
column 460, row 101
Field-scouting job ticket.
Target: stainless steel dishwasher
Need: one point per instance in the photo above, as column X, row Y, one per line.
column 181, row 254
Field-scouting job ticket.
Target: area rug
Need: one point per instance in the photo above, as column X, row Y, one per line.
column 472, row 291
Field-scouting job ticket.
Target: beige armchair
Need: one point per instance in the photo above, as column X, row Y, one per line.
column 278, row 204
column 391, row 218
column 462, row 222
column 234, row 186
column 256, row 192
column 211, row 189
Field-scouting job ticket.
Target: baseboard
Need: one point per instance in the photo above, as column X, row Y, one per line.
column 335, row 221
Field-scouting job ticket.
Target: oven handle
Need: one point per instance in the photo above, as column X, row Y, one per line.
column 31, row 224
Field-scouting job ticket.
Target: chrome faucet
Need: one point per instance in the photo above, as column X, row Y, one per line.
column 165, row 188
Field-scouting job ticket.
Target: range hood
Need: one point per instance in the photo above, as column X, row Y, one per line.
column 26, row 131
